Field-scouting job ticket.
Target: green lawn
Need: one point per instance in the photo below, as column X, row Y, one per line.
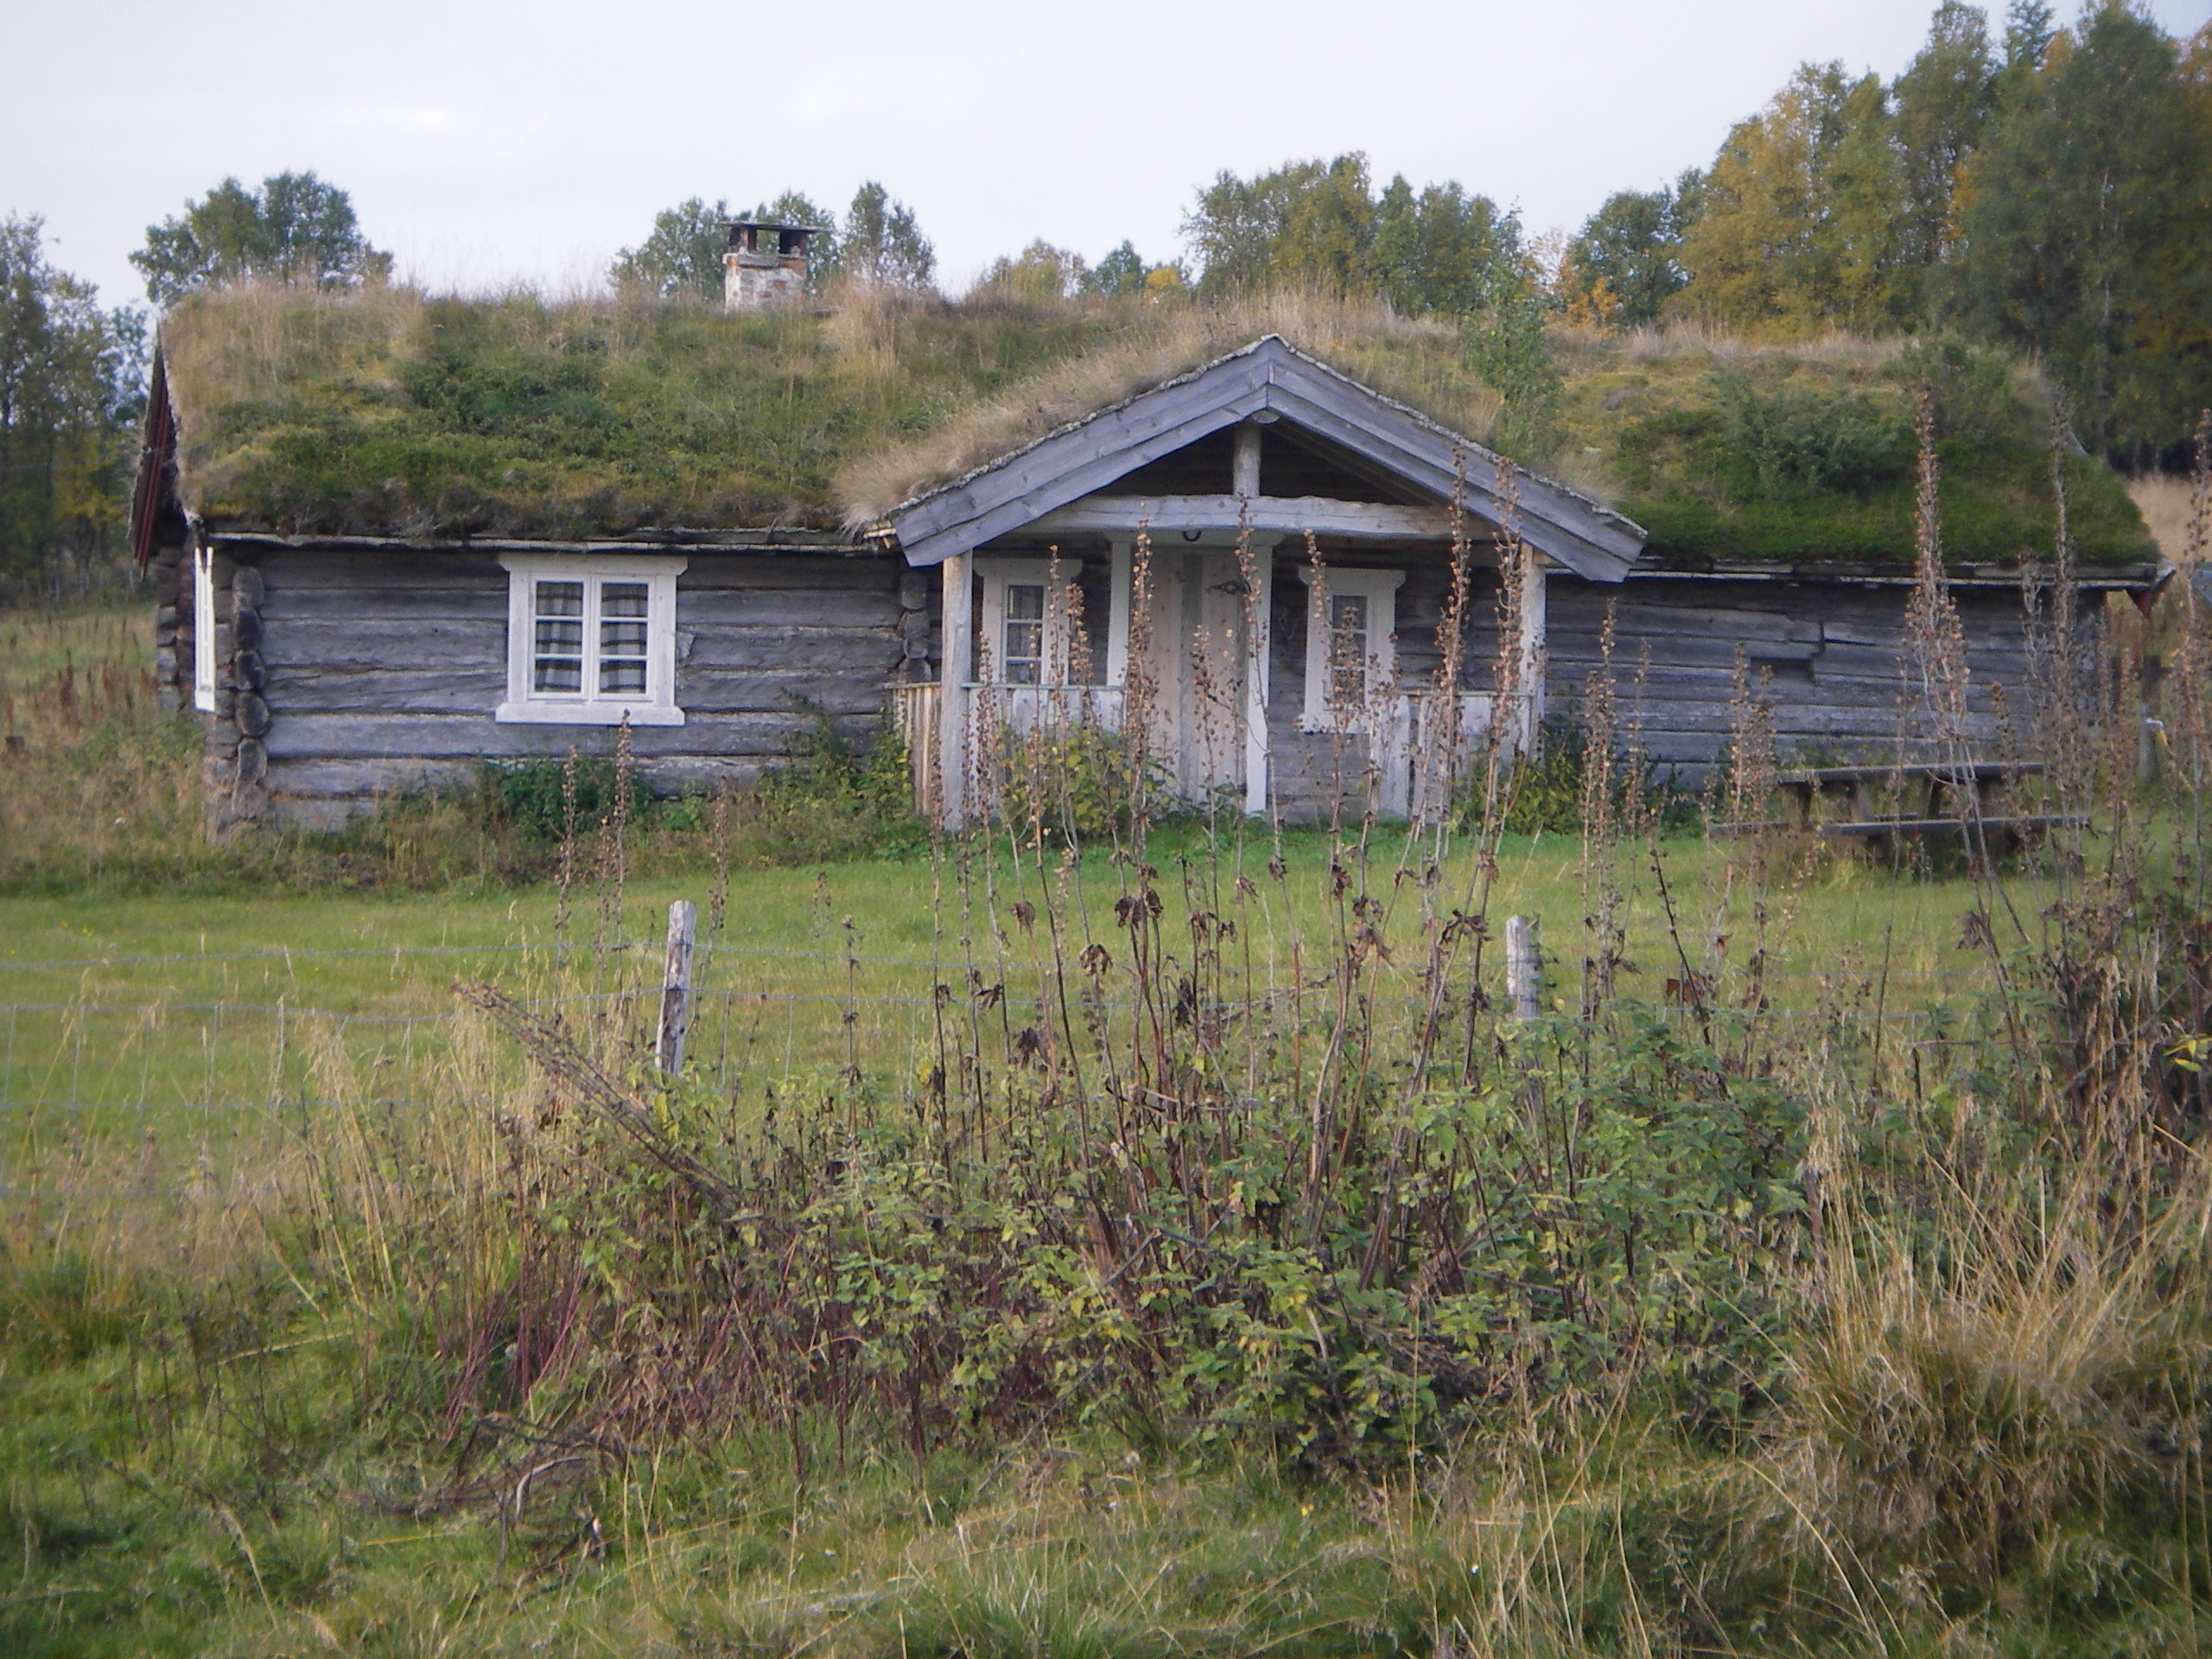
column 160, row 1001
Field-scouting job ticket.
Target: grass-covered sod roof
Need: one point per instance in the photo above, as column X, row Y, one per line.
column 393, row 413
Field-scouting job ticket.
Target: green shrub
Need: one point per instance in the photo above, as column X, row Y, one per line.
column 531, row 795
column 1548, row 787
column 1077, row 785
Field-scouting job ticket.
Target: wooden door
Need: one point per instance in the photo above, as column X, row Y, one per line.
column 1199, row 659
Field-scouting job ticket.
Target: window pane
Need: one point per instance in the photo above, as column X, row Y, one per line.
column 624, row 675
column 1025, row 634
column 558, row 674
column 556, row 660
column 622, row 599
column 1347, row 650
column 622, row 639
column 560, row 599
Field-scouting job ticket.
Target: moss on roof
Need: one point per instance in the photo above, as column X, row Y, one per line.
column 393, row 413
column 1723, row 451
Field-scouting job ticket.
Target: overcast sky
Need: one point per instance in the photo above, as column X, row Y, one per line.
column 484, row 142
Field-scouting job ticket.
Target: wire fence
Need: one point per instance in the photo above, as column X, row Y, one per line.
column 762, row 1017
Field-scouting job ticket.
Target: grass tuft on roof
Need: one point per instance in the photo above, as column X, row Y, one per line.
column 393, row 412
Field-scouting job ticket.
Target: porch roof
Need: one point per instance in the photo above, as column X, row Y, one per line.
column 1269, row 375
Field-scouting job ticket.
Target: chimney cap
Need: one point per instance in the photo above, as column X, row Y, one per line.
column 771, row 224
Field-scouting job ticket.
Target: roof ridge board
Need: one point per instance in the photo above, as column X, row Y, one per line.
column 1023, row 509
column 958, row 504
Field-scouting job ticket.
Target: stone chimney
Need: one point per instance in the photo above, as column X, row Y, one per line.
column 765, row 267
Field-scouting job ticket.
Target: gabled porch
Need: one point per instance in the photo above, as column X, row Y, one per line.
column 1266, row 582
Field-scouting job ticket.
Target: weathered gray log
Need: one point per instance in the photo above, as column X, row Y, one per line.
column 454, row 737
column 1524, row 963
column 676, row 987
column 252, row 763
column 246, row 628
column 252, row 715
column 247, row 589
column 249, row 671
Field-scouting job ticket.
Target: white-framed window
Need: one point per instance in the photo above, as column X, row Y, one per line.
column 1026, row 619
column 1351, row 651
column 203, row 628
column 590, row 640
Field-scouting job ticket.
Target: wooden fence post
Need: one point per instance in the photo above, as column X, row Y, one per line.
column 676, row 987
column 1524, row 962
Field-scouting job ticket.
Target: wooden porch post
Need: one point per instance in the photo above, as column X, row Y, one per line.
column 1118, row 612
column 1262, row 601
column 1532, row 650
column 958, row 669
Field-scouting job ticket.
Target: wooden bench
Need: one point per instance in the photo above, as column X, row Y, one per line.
column 1982, row 836
column 1972, row 791
column 1985, row 780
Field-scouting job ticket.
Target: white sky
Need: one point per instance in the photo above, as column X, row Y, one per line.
column 484, row 142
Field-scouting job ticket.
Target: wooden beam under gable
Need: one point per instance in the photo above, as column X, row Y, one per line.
column 1287, row 515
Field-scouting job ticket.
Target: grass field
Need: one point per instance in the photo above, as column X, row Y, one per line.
column 332, row 1318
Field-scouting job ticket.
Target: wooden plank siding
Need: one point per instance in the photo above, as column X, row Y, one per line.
column 1835, row 657
column 383, row 669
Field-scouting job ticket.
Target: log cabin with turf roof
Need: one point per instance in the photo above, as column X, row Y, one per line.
column 395, row 538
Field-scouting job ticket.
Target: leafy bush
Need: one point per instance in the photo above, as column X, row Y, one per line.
column 1790, row 438
column 1547, row 791
column 834, row 800
column 1077, row 785
column 532, row 795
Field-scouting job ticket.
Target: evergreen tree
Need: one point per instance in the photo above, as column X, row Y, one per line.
column 295, row 228
column 1120, row 272
column 1942, row 102
column 2028, row 34
column 1439, row 252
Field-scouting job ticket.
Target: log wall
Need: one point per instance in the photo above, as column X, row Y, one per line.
column 1831, row 659
column 381, row 670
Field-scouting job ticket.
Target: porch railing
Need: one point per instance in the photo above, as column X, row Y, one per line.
column 1020, row 709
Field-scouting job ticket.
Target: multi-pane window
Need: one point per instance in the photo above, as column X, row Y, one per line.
column 591, row 639
column 1348, row 652
column 1023, row 657
column 1350, row 646
column 1023, row 612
